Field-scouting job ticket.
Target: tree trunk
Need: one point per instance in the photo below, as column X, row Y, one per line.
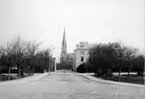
column 0, row 73
column 19, row 72
column 119, row 74
column 108, row 73
column 49, row 66
column 129, row 67
column 9, row 69
column 32, row 70
column 143, row 75
column 86, row 69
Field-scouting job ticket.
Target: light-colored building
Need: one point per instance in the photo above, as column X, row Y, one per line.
column 66, row 57
column 81, row 53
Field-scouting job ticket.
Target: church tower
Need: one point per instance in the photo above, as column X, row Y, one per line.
column 63, row 49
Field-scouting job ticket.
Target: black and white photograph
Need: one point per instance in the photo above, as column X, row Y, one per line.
column 72, row 49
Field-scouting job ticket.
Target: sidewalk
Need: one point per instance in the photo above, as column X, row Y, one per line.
column 34, row 77
column 90, row 77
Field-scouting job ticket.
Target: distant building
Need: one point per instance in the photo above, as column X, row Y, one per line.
column 81, row 53
column 63, row 49
column 66, row 58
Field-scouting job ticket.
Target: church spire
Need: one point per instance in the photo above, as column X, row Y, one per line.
column 64, row 40
column 64, row 48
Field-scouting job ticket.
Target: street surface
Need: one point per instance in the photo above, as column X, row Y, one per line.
column 67, row 85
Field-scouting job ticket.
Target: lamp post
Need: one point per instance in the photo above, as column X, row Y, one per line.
column 143, row 75
column 49, row 62
column 50, row 57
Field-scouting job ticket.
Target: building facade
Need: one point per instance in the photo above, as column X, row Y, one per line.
column 81, row 54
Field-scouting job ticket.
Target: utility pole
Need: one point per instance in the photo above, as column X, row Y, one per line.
column 144, row 73
column 50, row 58
column 58, row 65
column 49, row 62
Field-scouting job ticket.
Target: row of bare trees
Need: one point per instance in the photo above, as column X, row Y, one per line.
column 24, row 55
column 108, row 57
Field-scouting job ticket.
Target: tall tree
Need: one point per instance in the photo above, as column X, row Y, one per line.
column 7, row 57
column 31, row 54
column 102, row 57
column 19, row 48
column 139, row 65
column 129, row 58
column 43, row 57
column 120, row 55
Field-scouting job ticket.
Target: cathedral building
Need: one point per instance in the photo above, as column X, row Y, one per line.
column 63, row 49
column 80, row 55
column 65, row 57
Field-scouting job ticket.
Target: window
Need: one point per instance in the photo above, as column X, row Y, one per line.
column 82, row 52
column 82, row 59
column 81, row 45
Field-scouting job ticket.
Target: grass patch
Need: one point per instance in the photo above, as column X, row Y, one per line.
column 4, row 77
column 135, row 79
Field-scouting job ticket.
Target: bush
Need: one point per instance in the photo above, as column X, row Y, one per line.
column 66, row 65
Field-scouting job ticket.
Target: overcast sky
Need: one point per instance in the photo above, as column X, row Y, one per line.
column 92, row 21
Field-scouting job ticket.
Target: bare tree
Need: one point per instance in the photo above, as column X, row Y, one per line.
column 120, row 57
column 123, row 55
column 102, row 57
column 44, row 57
column 31, row 52
column 7, row 57
column 129, row 58
column 19, row 48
